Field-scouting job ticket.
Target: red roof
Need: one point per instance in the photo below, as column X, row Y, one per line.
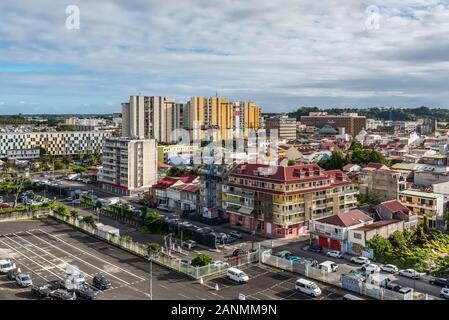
column 346, row 219
column 376, row 225
column 395, row 206
column 375, row 166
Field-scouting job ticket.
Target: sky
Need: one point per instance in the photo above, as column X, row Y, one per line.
column 280, row 54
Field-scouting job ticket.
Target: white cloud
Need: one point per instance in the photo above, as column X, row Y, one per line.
column 281, row 54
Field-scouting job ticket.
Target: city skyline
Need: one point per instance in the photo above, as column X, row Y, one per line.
column 281, row 55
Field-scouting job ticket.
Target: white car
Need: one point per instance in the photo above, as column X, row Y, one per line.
column 24, row 280
column 186, row 224
column 444, row 293
column 409, row 273
column 335, row 254
column 390, row 268
column 360, row 260
column 370, row 268
column 220, row 264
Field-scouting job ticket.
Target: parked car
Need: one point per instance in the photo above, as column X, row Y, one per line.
column 237, row 275
column 101, row 282
column 370, row 268
column 393, row 286
column 23, row 280
column 41, row 290
column 12, row 274
column 409, row 273
column 444, row 293
column 284, row 254
column 236, row 234
column 308, row 287
column 441, row 282
column 317, row 249
column 238, row 252
column 61, row 295
column 220, row 264
column 389, row 268
column 6, row 265
column 86, row 293
column 405, row 290
column 186, row 224
column 5, row 205
column 328, row 266
column 360, row 260
column 137, row 213
column 335, row 254
column 293, row 259
column 185, row 262
column 57, row 284
column 189, row 244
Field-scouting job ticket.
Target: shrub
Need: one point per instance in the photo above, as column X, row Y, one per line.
column 154, row 246
column 202, row 260
column 89, row 219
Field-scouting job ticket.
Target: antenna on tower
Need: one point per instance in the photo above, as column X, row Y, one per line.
column 216, row 93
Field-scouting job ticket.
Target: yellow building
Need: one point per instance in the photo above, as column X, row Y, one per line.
column 219, row 113
column 424, row 204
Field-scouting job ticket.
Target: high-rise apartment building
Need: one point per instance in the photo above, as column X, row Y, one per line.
column 285, row 126
column 220, row 114
column 352, row 122
column 152, row 117
column 280, row 201
column 129, row 165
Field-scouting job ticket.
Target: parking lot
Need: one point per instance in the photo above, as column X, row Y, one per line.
column 45, row 248
column 270, row 284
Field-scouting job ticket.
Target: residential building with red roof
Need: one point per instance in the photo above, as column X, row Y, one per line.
column 358, row 237
column 394, row 209
column 332, row 232
column 279, row 201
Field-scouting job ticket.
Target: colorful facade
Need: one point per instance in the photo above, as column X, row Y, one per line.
column 280, row 201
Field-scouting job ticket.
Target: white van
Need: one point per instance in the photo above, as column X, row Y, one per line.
column 328, row 266
column 307, row 287
column 6, row 265
column 237, row 275
column 378, row 280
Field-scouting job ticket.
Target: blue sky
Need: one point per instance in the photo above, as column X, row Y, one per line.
column 280, row 54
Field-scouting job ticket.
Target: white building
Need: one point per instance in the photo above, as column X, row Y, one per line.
column 22, row 154
column 55, row 143
column 129, row 165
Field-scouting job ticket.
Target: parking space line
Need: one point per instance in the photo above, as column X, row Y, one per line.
column 36, row 263
column 41, row 257
column 102, row 260
column 83, row 261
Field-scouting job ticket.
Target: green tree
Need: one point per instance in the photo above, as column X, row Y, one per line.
column 337, row 160
column 355, row 145
column 291, row 162
column 152, row 221
column 382, row 248
column 398, row 241
column 201, row 260
column 89, row 219
column 62, row 211
column 426, row 225
column 74, row 214
column 154, row 246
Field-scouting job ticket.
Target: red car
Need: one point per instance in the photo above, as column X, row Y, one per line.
column 5, row 205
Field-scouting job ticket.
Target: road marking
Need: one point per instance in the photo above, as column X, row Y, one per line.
column 102, row 260
column 184, row 296
column 48, row 253
column 36, row 263
column 83, row 261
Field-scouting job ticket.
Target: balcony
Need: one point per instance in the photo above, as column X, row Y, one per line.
column 290, row 212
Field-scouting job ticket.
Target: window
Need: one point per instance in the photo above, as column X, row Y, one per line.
column 358, row 236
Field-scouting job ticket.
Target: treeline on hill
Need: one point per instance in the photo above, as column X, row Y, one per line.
column 395, row 114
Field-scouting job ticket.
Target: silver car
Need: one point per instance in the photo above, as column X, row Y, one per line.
column 24, row 280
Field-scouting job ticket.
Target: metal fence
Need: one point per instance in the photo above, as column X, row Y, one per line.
column 162, row 258
column 347, row 282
